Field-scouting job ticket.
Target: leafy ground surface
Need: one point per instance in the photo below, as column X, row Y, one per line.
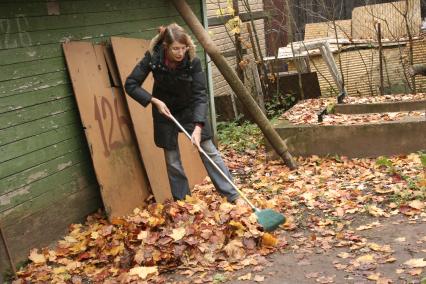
column 348, row 221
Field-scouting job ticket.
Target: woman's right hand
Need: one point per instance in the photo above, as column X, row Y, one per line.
column 161, row 106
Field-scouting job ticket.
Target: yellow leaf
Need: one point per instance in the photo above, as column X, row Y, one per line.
column 365, row 259
column 415, row 272
column 269, row 240
column 245, row 277
column 416, row 263
column 143, row 235
column 178, row 233
column 116, row 250
column 377, row 247
column 417, row 204
column 59, row 270
column 94, row 235
column 374, row 277
column 344, row 255
column 36, row 257
column 144, row 271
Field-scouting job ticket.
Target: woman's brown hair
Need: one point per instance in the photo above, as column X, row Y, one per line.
column 174, row 32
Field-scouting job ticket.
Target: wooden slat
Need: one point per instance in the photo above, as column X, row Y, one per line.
column 37, row 97
column 41, row 171
column 41, row 140
column 33, row 83
column 19, row 116
column 12, row 134
column 23, row 194
column 128, row 52
column 42, row 155
column 114, row 153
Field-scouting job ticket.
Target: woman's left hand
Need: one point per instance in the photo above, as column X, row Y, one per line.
column 196, row 136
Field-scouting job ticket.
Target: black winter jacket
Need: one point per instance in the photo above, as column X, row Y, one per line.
column 183, row 90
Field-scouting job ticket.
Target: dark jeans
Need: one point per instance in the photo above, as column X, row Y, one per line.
column 179, row 182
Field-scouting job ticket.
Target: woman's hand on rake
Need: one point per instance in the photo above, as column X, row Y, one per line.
column 196, row 136
column 161, row 106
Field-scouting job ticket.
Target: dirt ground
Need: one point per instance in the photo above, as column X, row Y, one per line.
column 307, row 262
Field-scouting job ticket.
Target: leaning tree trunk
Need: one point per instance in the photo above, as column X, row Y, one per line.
column 237, row 86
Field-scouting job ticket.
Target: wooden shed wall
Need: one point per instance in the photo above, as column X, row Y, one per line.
column 221, row 38
column 46, row 175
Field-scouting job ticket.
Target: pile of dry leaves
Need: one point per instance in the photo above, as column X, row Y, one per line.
column 306, row 111
column 194, row 236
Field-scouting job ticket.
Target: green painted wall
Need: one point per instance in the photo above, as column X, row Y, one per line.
column 47, row 179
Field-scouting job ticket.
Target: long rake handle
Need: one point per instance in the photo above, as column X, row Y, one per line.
column 215, row 165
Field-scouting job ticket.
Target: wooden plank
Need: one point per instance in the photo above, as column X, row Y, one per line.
column 38, row 67
column 39, row 8
column 22, row 100
column 23, row 194
column 41, row 140
column 30, row 53
column 61, row 192
column 91, row 32
column 41, row 171
column 20, row 22
column 16, row 117
column 33, row 83
column 128, row 52
column 113, row 149
column 42, row 155
column 12, row 134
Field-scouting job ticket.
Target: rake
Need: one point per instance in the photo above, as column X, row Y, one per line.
column 267, row 218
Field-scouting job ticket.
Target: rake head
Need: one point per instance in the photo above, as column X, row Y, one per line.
column 269, row 219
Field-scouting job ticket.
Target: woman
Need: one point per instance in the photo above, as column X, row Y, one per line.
column 179, row 90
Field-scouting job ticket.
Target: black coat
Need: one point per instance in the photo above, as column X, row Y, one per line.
column 183, row 90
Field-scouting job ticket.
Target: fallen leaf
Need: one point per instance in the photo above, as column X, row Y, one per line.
column 374, row 276
column 144, row 271
column 416, row 263
column 36, row 257
column 143, row 235
column 245, row 277
column 259, row 278
column 269, row 240
column 344, row 255
column 325, row 279
column 400, row 239
column 417, row 204
column 415, row 272
column 178, row 233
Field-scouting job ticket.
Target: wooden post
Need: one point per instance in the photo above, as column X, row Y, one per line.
column 256, row 56
column 379, row 39
column 258, row 85
column 332, row 67
column 237, row 86
column 238, row 48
